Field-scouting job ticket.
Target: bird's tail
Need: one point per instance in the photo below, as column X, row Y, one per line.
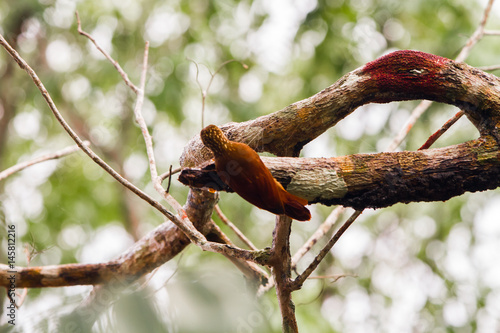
column 294, row 207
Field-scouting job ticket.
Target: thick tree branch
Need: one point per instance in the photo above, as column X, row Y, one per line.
column 380, row 180
column 398, row 76
column 424, row 105
column 383, row 179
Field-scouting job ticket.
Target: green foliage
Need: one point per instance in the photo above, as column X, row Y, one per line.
column 414, row 267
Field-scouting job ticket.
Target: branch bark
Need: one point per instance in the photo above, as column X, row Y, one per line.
column 398, row 76
column 281, row 262
column 378, row 180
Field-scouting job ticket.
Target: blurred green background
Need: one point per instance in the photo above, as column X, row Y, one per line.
column 419, row 267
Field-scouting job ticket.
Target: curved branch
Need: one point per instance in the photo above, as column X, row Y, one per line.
column 398, row 76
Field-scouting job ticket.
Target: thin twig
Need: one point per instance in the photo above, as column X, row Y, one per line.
column 299, row 280
column 441, row 131
column 169, row 178
column 148, row 140
column 204, row 92
column 318, row 234
column 234, row 228
column 181, row 220
column 334, row 278
column 477, row 35
column 114, row 62
column 50, row 156
column 414, row 116
column 491, row 32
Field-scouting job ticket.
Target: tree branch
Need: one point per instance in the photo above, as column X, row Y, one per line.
column 382, row 179
column 113, row 61
column 299, row 280
column 424, row 105
column 50, row 156
column 150, row 252
column 280, row 260
column 398, row 76
column 181, row 220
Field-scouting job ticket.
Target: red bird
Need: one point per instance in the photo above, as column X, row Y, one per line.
column 241, row 168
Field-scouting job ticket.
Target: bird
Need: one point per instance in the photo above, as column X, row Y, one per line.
column 241, row 168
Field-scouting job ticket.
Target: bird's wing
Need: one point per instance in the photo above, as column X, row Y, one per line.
column 247, row 175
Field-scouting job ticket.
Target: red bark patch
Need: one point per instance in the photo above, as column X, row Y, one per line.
column 412, row 71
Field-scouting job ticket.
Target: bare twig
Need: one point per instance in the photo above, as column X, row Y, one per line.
column 414, row 116
column 491, row 32
column 140, row 119
column 149, row 143
column 318, row 234
column 234, row 228
column 299, row 280
column 204, row 92
column 334, row 278
column 281, row 263
column 169, row 178
column 441, row 131
column 477, row 35
column 114, row 62
column 50, row 156
column 489, row 68
column 424, row 105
